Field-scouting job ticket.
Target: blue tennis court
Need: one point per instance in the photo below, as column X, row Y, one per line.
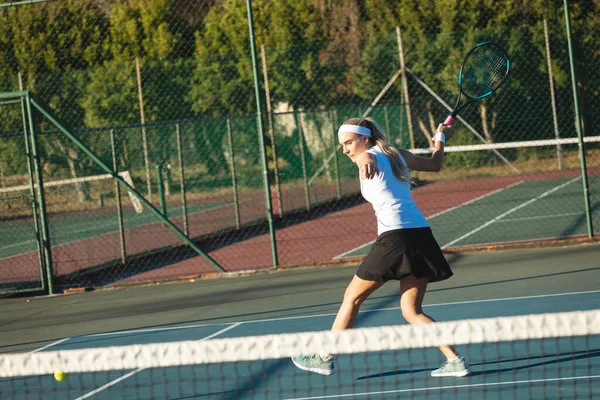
column 525, row 210
column 556, row 368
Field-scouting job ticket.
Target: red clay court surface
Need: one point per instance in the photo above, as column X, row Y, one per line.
column 300, row 242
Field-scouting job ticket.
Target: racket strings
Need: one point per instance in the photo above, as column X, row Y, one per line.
column 483, row 71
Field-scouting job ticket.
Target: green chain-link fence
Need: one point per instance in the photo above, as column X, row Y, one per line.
column 162, row 91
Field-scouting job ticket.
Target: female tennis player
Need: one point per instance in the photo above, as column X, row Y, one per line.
column 405, row 249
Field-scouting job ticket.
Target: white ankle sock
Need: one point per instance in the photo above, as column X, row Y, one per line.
column 326, row 357
column 454, row 360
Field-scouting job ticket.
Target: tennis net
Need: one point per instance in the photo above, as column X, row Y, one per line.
column 101, row 185
column 544, row 356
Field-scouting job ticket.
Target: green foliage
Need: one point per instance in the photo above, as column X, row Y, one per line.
column 166, row 84
column 222, row 78
column 534, row 154
column 67, row 35
column 12, row 155
column 153, row 29
column 318, row 54
column 376, row 67
column 111, row 96
column 298, row 58
column 79, row 58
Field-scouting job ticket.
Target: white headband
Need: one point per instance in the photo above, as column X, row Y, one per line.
column 361, row 130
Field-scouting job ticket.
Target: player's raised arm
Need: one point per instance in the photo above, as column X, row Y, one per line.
column 433, row 163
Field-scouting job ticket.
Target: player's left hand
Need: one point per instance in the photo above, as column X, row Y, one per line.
column 367, row 167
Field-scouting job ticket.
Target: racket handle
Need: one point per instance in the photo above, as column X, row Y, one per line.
column 449, row 120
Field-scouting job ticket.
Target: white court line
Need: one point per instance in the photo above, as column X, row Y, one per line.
column 425, row 389
column 91, row 229
column 156, row 329
column 353, row 250
column 512, row 210
column 360, row 312
column 49, row 345
column 17, row 245
column 440, row 213
column 429, row 305
column 126, row 219
column 109, row 384
column 114, row 382
column 71, row 232
column 540, row 217
column 476, row 199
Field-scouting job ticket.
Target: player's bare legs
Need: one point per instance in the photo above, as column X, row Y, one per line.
column 412, row 292
column 356, row 293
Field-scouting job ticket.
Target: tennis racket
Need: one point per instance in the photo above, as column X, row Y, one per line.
column 483, row 71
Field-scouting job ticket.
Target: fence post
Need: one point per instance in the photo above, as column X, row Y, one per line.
column 261, row 136
column 113, row 149
column 30, row 173
column 387, row 124
column 105, row 167
column 271, row 130
column 338, row 186
column 45, row 233
column 236, row 201
column 401, row 126
column 559, row 154
column 138, row 74
column 303, row 159
column 161, row 190
column 182, row 180
column 405, row 88
column 586, row 189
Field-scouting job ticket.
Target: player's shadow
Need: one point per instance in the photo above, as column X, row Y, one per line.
column 557, row 358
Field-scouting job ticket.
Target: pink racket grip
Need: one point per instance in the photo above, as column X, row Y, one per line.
column 449, row 120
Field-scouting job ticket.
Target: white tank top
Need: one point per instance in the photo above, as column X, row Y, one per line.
column 391, row 197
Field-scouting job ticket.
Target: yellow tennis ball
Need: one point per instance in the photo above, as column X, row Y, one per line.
column 60, row 376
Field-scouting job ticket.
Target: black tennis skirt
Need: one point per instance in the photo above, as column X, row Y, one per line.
column 399, row 253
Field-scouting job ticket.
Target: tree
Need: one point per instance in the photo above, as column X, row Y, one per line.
column 222, row 77
column 157, row 35
column 152, row 32
column 51, row 45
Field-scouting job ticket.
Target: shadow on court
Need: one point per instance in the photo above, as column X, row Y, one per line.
column 564, row 357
